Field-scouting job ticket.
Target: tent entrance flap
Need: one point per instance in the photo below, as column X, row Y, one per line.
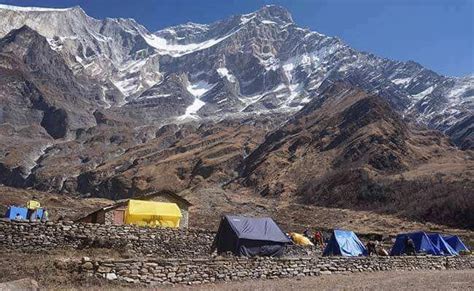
column 444, row 248
column 151, row 213
column 456, row 243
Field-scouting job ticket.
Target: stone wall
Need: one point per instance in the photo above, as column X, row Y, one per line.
column 197, row 271
column 161, row 242
column 190, row 250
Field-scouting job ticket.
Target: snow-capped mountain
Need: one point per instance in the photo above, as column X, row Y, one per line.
column 260, row 62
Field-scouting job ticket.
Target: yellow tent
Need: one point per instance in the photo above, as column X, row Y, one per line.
column 151, row 213
column 300, row 239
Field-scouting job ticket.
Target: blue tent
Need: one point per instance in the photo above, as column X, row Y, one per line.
column 456, row 243
column 12, row 211
column 245, row 236
column 444, row 248
column 422, row 242
column 344, row 243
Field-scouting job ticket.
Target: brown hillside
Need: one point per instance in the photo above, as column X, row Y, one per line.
column 349, row 149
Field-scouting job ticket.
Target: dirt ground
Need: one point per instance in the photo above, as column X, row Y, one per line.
column 393, row 280
column 67, row 207
column 50, row 269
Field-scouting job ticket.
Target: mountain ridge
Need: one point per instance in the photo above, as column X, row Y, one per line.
column 251, row 105
column 289, row 66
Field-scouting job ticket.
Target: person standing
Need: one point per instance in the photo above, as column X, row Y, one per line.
column 371, row 248
column 45, row 215
column 318, row 238
column 32, row 206
column 409, row 246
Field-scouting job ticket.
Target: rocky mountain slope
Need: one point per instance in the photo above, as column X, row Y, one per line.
column 350, row 149
column 250, row 104
column 246, row 64
column 38, row 88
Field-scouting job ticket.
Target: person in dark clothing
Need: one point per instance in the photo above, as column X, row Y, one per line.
column 306, row 233
column 409, row 246
column 33, row 216
column 371, row 248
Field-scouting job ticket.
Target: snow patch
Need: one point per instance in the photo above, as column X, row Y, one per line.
column 200, row 88
column 197, row 90
column 295, row 91
column 126, row 86
column 191, row 111
column 460, row 89
column 308, row 60
column 32, row 9
column 344, row 68
column 270, row 64
column 244, row 19
column 33, row 158
column 422, row 94
column 178, row 50
column 154, row 96
column 224, row 73
column 401, row 81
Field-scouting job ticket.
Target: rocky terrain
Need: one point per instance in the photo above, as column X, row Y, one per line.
column 251, row 106
column 351, row 149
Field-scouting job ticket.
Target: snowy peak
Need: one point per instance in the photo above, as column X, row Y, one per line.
column 41, row 10
column 183, row 31
column 255, row 63
column 36, row 9
column 274, row 13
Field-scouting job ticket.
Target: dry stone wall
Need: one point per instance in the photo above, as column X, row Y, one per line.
column 161, row 242
column 197, row 271
column 142, row 241
column 169, row 256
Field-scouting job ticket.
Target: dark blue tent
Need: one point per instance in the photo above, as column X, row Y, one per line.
column 422, row 243
column 456, row 243
column 444, row 248
column 246, row 236
column 344, row 243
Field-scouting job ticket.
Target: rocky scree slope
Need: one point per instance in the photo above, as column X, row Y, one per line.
column 127, row 111
column 350, row 149
column 246, row 64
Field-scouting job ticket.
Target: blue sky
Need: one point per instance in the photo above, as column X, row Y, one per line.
column 439, row 34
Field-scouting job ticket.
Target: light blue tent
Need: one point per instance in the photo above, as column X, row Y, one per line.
column 12, row 211
column 444, row 248
column 422, row 243
column 456, row 243
column 344, row 243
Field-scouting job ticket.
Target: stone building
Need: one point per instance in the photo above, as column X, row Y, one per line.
column 115, row 213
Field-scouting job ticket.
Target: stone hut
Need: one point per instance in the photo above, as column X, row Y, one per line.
column 115, row 213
